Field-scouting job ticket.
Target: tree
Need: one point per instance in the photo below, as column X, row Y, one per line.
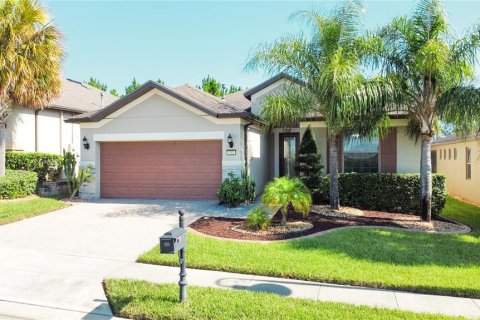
column 325, row 70
column 308, row 163
column 212, row 86
column 433, row 72
column 233, row 89
column 160, row 81
column 114, row 92
column 30, row 60
column 132, row 87
column 97, row 84
column 286, row 192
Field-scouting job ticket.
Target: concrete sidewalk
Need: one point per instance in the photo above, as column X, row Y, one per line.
column 422, row 303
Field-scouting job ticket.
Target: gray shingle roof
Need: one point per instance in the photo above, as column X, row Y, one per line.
column 80, row 97
column 188, row 94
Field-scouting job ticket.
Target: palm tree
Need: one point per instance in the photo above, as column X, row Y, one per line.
column 433, row 72
column 30, row 60
column 286, row 192
column 329, row 83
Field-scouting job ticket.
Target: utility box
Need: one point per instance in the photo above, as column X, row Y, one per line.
column 173, row 241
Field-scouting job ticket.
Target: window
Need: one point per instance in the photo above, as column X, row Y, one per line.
column 454, row 153
column 449, row 154
column 361, row 155
column 445, row 154
column 468, row 156
column 440, row 151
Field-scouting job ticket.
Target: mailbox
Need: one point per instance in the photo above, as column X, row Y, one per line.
column 173, row 241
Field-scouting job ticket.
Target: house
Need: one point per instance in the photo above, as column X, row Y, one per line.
column 161, row 142
column 45, row 130
column 459, row 159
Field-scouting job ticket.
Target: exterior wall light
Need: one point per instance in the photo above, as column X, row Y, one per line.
column 86, row 145
column 230, row 140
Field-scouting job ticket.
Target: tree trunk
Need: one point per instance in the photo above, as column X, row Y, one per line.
column 284, row 219
column 333, row 159
column 2, row 148
column 426, row 179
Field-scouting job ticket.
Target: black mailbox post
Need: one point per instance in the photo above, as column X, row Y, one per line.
column 175, row 241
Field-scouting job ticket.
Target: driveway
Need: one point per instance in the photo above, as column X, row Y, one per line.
column 51, row 266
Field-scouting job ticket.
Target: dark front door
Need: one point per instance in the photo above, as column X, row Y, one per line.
column 289, row 144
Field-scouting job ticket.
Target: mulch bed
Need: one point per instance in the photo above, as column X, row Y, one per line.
column 222, row 227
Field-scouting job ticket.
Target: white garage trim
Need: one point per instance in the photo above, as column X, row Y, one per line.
column 163, row 136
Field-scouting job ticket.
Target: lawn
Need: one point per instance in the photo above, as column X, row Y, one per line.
column 148, row 301
column 18, row 210
column 373, row 257
column 463, row 212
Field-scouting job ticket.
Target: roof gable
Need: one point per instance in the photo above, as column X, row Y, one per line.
column 194, row 97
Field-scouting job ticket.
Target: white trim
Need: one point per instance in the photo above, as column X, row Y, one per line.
column 164, row 136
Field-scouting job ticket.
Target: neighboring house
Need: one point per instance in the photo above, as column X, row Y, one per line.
column 45, row 130
column 161, row 142
column 459, row 160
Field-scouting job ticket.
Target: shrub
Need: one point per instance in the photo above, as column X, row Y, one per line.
column 387, row 192
column 44, row 164
column 308, row 164
column 17, row 184
column 235, row 190
column 286, row 192
column 258, row 218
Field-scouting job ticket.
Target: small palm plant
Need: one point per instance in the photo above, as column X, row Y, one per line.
column 285, row 192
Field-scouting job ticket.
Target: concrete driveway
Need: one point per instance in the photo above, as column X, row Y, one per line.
column 51, row 266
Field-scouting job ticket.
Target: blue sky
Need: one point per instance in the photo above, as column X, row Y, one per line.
column 181, row 42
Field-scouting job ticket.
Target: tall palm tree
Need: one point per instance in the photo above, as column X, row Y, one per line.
column 328, row 68
column 434, row 72
column 30, row 60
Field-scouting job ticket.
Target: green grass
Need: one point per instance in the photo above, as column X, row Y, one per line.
column 147, row 301
column 462, row 212
column 374, row 257
column 19, row 210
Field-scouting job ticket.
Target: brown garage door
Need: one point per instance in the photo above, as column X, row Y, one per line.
column 170, row 170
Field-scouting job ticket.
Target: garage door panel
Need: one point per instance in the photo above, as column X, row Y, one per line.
column 177, row 170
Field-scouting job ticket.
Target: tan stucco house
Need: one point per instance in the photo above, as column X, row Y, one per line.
column 45, row 130
column 161, row 142
column 459, row 159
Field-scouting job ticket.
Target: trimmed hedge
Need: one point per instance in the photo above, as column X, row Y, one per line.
column 42, row 163
column 17, row 184
column 387, row 192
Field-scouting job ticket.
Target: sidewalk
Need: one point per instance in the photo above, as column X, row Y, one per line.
column 422, row 303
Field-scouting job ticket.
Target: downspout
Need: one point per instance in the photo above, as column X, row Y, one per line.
column 61, row 130
column 245, row 141
column 36, row 130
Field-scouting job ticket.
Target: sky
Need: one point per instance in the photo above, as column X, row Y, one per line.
column 182, row 42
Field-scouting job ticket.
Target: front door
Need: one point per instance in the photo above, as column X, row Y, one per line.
column 289, row 144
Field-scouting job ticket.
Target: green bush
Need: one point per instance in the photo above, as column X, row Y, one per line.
column 235, row 190
column 386, row 192
column 17, row 184
column 258, row 218
column 44, row 164
column 285, row 192
column 309, row 165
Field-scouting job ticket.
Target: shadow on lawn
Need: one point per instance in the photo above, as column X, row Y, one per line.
column 397, row 247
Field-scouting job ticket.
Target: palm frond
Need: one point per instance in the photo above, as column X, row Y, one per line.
column 460, row 107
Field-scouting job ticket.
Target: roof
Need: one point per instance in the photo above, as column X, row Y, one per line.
column 188, row 94
column 454, row 139
column 248, row 94
column 80, row 97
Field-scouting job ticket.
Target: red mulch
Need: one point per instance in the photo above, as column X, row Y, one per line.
column 222, row 227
